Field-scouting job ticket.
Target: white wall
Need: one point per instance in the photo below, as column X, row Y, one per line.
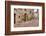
column 2, row 18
